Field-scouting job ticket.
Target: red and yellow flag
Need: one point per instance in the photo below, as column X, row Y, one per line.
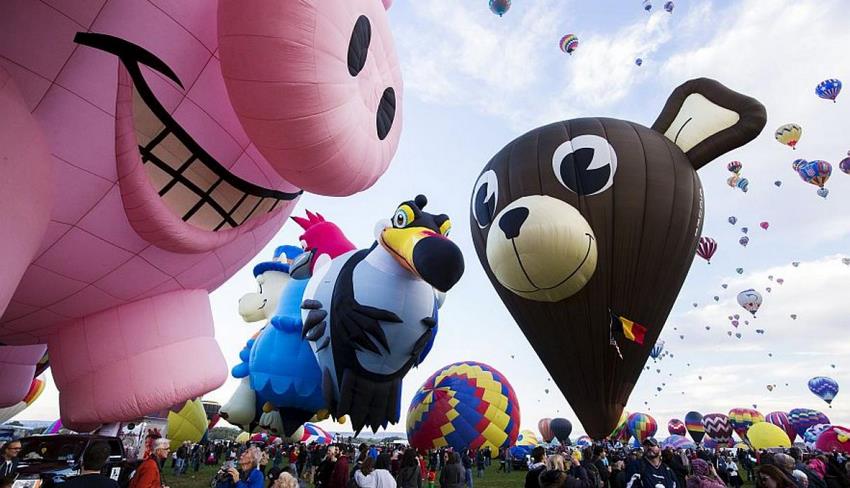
column 632, row 330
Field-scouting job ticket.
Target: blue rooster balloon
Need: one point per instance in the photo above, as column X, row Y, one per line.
column 825, row 388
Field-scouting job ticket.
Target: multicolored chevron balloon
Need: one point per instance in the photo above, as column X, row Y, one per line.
column 642, row 426
column 464, row 405
column 718, row 427
column 803, row 418
column 780, row 419
column 742, row 419
column 810, row 436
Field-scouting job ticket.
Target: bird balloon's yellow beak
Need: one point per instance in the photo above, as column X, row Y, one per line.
column 425, row 253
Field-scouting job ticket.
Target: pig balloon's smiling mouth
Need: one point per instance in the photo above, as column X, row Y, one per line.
column 192, row 184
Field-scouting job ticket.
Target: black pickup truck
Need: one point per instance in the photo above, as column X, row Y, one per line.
column 47, row 460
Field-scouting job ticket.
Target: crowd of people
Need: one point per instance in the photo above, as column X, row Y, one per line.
column 346, row 465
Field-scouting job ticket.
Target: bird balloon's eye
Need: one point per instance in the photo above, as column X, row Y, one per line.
column 585, row 165
column 303, row 244
column 402, row 217
column 485, row 198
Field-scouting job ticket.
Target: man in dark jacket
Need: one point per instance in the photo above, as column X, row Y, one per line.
column 9, row 459
column 537, row 466
column 94, row 459
column 600, row 460
column 649, row 471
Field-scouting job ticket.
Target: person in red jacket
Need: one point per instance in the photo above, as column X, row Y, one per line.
column 147, row 474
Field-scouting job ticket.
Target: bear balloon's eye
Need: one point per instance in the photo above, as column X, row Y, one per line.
column 485, row 198
column 358, row 46
column 585, row 165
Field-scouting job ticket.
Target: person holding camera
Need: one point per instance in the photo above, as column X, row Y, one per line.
column 248, row 475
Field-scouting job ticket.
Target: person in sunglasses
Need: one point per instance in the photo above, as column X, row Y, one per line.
column 9, row 466
column 649, row 471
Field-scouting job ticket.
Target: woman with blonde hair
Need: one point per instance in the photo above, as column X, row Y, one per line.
column 285, row 480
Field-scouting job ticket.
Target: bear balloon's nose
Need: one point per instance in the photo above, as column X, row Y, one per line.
column 512, row 221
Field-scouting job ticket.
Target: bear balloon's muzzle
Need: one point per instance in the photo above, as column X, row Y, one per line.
column 541, row 249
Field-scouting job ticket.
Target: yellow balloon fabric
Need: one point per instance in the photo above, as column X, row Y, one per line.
column 189, row 424
column 243, row 438
column 527, row 438
column 765, row 435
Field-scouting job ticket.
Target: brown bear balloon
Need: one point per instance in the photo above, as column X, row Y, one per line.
column 580, row 221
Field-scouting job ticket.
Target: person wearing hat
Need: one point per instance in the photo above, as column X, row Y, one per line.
column 649, row 471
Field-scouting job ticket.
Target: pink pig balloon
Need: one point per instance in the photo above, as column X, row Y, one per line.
column 131, row 188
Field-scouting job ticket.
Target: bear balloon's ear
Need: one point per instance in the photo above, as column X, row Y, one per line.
column 707, row 120
column 388, row 4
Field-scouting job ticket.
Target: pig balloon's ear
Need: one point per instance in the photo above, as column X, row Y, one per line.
column 706, row 120
column 388, row 4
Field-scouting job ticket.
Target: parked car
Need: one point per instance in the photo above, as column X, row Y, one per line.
column 47, row 460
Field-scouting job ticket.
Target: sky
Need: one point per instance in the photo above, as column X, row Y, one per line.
column 474, row 82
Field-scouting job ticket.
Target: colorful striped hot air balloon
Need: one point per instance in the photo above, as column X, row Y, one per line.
column 569, row 43
column 543, row 425
column 693, row 422
column 642, row 426
column 828, row 89
column 465, row 404
column 676, row 441
column 742, row 419
column 621, row 432
column 780, row 419
column 803, row 418
column 676, row 427
column 706, row 248
column 657, row 349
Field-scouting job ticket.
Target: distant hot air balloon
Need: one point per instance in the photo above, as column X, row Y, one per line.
column 828, row 89
column 824, row 387
column 718, row 427
column 735, row 166
column 668, row 6
column 706, row 248
column 543, row 425
column 657, row 349
column 732, row 220
column 744, row 240
column 750, row 300
column 780, row 419
column 569, row 43
column 789, row 134
column 844, row 165
column 464, row 405
column 642, row 426
column 500, row 7
column 638, row 61
column 647, row 5
column 764, row 225
column 676, row 427
column 803, row 418
column 742, row 419
column 561, row 429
